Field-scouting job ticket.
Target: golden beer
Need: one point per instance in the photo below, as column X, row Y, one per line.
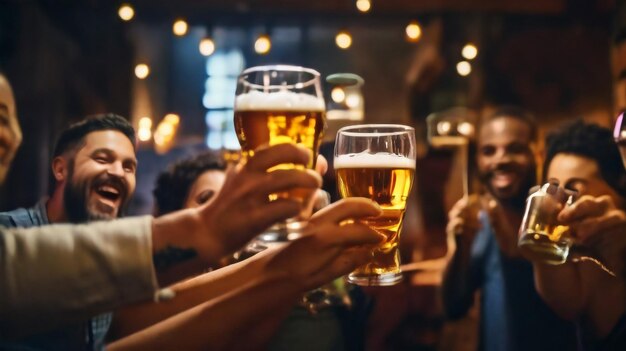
column 267, row 119
column 258, row 128
column 386, row 179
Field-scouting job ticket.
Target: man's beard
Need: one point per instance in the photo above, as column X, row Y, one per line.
column 518, row 199
column 75, row 200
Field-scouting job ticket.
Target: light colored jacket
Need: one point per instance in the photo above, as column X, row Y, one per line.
column 64, row 273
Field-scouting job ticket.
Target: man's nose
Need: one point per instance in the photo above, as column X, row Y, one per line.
column 116, row 169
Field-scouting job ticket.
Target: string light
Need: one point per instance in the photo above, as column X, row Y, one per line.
column 464, row 68
column 207, row 47
column 470, row 51
column 413, row 31
column 126, row 12
column 144, row 133
column 338, row 95
column 343, row 39
column 142, row 71
column 165, row 132
column 262, row 45
column 363, row 5
column 180, row 27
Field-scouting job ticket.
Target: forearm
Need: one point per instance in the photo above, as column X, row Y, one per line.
column 178, row 238
column 216, row 324
column 189, row 293
column 561, row 287
column 53, row 275
column 458, row 286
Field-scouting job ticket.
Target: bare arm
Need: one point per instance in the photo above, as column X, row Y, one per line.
column 459, row 283
column 571, row 289
column 310, row 261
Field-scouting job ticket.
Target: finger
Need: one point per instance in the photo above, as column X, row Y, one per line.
column 591, row 229
column 586, row 206
column 346, row 262
column 455, row 226
column 349, row 208
column 270, row 213
column 269, row 157
column 353, row 234
column 287, row 179
column 322, row 165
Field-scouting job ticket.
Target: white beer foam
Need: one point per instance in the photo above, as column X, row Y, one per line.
column 279, row 101
column 378, row 160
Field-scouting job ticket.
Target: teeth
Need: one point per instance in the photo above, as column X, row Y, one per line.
column 109, row 189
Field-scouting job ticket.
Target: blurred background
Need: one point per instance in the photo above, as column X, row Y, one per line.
column 171, row 68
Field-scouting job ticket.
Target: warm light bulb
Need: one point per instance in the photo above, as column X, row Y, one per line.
column 470, row 51
column 464, row 68
column 171, row 118
column 413, row 31
column 343, row 40
column 145, row 122
column 126, row 12
column 207, row 47
column 465, row 128
column 338, row 95
column 363, row 5
column 142, row 71
column 144, row 134
column 180, row 27
column 262, row 45
column 353, row 100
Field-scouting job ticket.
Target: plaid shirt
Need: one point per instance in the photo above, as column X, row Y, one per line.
column 89, row 335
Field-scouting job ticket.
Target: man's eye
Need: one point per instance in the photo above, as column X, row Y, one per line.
column 487, row 151
column 204, row 196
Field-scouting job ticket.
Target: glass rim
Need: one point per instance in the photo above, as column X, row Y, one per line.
column 315, row 77
column 617, row 130
column 400, row 129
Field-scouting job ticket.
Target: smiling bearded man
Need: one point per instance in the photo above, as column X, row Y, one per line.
column 93, row 168
column 512, row 315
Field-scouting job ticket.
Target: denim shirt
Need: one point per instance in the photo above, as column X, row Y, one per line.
column 88, row 335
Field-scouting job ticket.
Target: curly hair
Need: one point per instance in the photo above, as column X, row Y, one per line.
column 173, row 185
column 591, row 141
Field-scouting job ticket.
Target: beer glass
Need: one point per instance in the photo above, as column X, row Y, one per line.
column 619, row 133
column 280, row 104
column 541, row 236
column 377, row 161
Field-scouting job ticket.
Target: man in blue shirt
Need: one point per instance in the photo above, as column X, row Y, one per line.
column 512, row 316
column 93, row 167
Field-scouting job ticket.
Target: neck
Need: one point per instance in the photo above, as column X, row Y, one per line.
column 55, row 207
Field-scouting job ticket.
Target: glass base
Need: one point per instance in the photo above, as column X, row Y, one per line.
column 384, row 279
column 553, row 253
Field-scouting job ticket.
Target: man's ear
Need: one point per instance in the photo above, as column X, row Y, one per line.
column 59, row 168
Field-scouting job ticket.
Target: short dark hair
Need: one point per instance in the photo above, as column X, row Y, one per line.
column 516, row 113
column 591, row 141
column 74, row 135
column 173, row 185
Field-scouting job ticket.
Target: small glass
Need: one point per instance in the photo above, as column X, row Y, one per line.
column 541, row 237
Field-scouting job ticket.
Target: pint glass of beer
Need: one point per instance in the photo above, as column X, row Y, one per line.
column 377, row 161
column 280, row 104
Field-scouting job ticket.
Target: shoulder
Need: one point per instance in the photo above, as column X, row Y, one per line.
column 21, row 217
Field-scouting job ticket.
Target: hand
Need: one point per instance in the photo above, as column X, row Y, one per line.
column 242, row 210
column 334, row 244
column 463, row 218
column 597, row 223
